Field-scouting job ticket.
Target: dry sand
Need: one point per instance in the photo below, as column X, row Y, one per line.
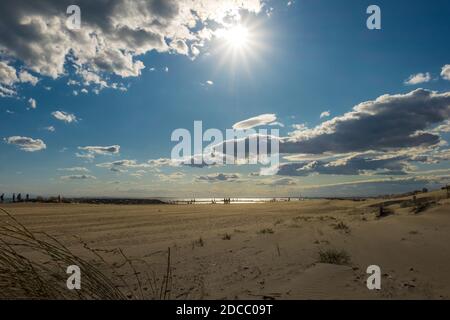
column 236, row 259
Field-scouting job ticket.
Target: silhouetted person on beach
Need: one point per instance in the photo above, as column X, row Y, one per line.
column 2, row 198
column 447, row 187
column 27, row 198
column 14, row 197
column 19, row 197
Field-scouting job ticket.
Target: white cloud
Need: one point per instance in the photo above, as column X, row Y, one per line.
column 445, row 127
column 162, row 162
column 32, row 103
column 64, row 116
column 75, row 169
column 260, row 120
column 445, row 74
column 99, row 150
column 195, row 51
column 113, row 35
column 50, row 128
column 26, row 77
column 171, row 177
column 276, row 124
column 353, row 164
column 123, row 165
column 400, row 120
column 209, row 82
column 79, row 177
column 372, row 187
column 325, row 114
column 72, row 82
column 180, row 47
column 9, row 78
column 300, row 127
column 7, row 92
column 218, row 177
column 7, row 74
column 281, row 182
column 89, row 78
column 26, row 144
column 87, row 156
column 136, row 175
column 418, row 78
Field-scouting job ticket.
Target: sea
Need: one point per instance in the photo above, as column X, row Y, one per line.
column 225, row 200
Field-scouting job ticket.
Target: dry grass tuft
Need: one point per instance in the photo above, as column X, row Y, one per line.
column 33, row 266
column 342, row 227
column 266, row 231
column 226, row 236
column 198, row 243
column 333, row 256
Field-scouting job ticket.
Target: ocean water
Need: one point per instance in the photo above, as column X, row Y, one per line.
column 236, row 200
column 221, row 200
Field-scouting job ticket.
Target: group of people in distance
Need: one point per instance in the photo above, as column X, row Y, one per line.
column 14, row 198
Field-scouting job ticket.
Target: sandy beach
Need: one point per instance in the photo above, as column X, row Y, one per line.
column 265, row 251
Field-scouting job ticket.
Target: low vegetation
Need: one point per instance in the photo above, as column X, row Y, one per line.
column 266, row 231
column 333, row 256
column 33, row 266
column 421, row 207
column 384, row 212
column 342, row 227
column 226, row 236
column 198, row 243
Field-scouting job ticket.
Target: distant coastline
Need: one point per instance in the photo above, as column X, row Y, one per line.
column 191, row 201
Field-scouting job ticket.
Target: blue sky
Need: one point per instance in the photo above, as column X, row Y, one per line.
column 301, row 60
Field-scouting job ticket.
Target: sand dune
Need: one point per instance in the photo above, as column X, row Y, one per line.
column 270, row 250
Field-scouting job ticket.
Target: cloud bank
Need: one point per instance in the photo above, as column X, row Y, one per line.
column 389, row 122
column 79, row 177
column 218, row 177
column 113, row 34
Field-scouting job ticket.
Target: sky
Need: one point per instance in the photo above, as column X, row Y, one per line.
column 90, row 112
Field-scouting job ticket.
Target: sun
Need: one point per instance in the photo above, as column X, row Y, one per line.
column 238, row 46
column 237, row 37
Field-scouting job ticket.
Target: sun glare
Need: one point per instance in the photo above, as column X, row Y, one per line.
column 237, row 36
column 239, row 46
